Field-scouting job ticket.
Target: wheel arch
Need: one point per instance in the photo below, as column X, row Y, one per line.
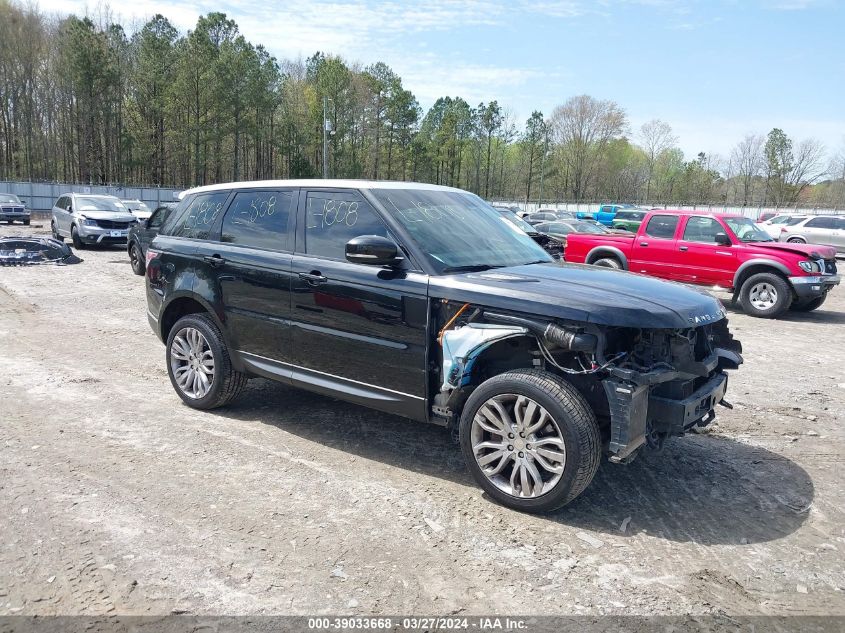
column 755, row 266
column 183, row 304
column 599, row 252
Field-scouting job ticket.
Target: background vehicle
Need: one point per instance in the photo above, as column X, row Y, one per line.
column 420, row 301
column 625, row 220
column 91, row 219
column 605, row 213
column 774, row 226
column 562, row 228
column 138, row 208
column 819, row 229
column 548, row 215
column 142, row 234
column 729, row 251
column 12, row 209
column 766, row 215
column 550, row 244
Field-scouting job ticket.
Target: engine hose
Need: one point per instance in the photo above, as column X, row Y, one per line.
column 551, row 334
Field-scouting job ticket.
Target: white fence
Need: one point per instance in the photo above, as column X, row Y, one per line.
column 40, row 196
column 749, row 212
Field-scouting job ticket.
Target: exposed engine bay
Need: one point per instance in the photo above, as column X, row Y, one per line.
column 644, row 385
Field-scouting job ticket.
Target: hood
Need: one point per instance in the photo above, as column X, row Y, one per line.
column 142, row 215
column 812, row 251
column 114, row 216
column 583, row 293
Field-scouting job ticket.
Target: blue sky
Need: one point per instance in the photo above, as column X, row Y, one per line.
column 715, row 70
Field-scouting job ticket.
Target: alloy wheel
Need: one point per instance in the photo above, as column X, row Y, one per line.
column 763, row 296
column 192, row 362
column 518, row 445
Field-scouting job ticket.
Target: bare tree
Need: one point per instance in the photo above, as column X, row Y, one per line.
column 656, row 137
column 747, row 160
column 582, row 128
column 807, row 168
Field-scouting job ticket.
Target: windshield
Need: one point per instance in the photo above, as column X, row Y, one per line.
column 99, row 204
column 522, row 224
column 9, row 198
column 136, row 205
column 589, row 227
column 747, row 231
column 459, row 231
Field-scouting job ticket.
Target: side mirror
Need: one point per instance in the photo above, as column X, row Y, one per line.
column 722, row 239
column 373, row 250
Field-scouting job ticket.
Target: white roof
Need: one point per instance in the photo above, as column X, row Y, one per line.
column 320, row 182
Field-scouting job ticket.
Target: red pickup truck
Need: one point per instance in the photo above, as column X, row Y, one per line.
column 715, row 250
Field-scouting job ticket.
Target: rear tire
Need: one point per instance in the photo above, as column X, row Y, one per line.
column 765, row 295
column 74, row 237
column 797, row 240
column 196, row 341
column 808, row 306
column 570, row 431
column 136, row 259
column 608, row 262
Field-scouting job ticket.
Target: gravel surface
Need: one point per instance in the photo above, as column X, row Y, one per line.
column 117, row 498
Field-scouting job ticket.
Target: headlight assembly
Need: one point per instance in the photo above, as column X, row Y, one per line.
column 810, row 266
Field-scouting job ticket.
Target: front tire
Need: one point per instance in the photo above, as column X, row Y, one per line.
column 765, row 295
column 74, row 237
column 530, row 440
column 136, row 259
column 797, row 240
column 55, row 232
column 199, row 365
column 608, row 262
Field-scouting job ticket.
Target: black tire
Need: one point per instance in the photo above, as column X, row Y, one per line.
column 797, row 240
column 74, row 237
column 227, row 384
column 574, row 419
column 808, row 306
column 780, row 304
column 55, row 232
column 136, row 259
column 608, row 262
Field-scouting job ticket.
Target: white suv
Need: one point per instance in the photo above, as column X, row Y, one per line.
column 91, row 219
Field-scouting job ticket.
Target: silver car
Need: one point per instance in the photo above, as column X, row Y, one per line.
column 91, row 219
column 828, row 230
column 138, row 208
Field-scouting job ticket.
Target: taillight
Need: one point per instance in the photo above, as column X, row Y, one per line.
column 151, row 255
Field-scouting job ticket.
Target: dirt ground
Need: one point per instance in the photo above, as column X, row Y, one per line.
column 117, row 498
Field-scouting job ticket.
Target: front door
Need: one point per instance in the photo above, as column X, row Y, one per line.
column 357, row 329
column 701, row 259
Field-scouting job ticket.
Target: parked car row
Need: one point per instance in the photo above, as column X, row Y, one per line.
column 12, row 209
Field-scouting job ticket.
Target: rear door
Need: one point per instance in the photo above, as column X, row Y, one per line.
column 654, row 250
column 820, row 230
column 701, row 260
column 248, row 261
column 357, row 329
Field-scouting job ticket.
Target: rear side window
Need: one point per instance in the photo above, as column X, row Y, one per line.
column 198, row 216
column 700, row 229
column 662, row 226
column 332, row 219
column 821, row 223
column 258, row 219
column 158, row 217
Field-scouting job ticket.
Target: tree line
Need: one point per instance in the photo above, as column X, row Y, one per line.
column 88, row 102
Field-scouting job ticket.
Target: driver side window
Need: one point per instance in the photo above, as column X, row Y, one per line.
column 334, row 218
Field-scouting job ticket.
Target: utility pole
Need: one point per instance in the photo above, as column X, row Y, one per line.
column 325, row 139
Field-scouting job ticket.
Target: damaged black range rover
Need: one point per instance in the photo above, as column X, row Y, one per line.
column 422, row 301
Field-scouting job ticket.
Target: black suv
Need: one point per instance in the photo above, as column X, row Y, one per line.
column 420, row 301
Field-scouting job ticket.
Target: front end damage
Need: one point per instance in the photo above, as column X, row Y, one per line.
column 643, row 384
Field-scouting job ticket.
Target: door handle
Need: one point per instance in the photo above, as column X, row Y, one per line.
column 314, row 277
column 214, row 260
column 643, row 243
column 684, row 248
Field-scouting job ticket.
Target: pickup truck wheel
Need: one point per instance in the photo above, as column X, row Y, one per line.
column 608, row 262
column 199, row 365
column 765, row 295
column 530, row 440
column 808, row 306
column 136, row 259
